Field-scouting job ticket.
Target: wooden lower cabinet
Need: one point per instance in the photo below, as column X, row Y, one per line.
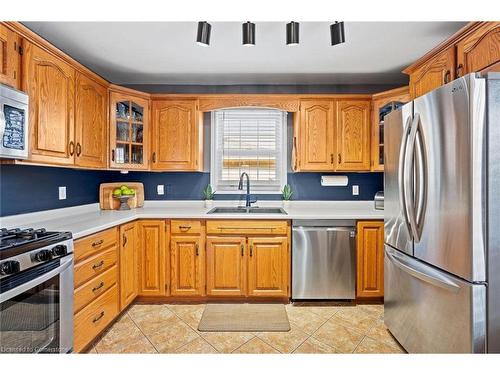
column 226, row 266
column 370, row 259
column 268, row 266
column 187, row 259
column 129, row 267
column 152, row 257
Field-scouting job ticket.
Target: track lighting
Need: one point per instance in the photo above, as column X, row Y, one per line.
column 292, row 33
column 248, row 34
column 203, row 36
column 337, row 33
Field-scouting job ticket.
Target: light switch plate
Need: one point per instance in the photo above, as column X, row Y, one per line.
column 62, row 192
column 355, row 189
column 160, row 189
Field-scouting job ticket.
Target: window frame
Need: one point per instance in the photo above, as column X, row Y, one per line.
column 283, row 154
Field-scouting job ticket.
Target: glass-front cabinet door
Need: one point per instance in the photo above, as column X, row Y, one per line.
column 129, row 142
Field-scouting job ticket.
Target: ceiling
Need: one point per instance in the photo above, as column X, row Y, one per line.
column 166, row 52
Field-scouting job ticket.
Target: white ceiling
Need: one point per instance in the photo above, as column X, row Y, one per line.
column 166, row 52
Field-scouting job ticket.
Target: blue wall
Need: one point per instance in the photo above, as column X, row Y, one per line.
column 31, row 188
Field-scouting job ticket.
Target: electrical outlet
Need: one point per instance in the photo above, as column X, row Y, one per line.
column 160, row 189
column 355, row 189
column 62, row 192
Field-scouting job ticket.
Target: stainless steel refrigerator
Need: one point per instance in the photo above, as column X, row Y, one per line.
column 442, row 219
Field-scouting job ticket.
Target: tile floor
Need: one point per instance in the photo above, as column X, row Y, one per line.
column 314, row 329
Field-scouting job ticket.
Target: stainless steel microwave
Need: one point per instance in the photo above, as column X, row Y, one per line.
column 14, row 131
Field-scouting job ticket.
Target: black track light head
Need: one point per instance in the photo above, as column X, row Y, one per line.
column 292, row 33
column 203, row 35
column 248, row 34
column 337, row 33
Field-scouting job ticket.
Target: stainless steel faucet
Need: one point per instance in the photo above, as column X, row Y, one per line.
column 240, row 187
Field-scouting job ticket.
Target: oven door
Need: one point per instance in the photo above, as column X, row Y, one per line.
column 36, row 309
column 13, row 123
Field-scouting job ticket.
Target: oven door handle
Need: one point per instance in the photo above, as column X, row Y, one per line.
column 66, row 262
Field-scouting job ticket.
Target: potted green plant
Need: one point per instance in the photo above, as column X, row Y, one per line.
column 208, row 194
column 286, row 195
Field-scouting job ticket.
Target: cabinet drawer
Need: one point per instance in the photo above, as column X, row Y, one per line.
column 94, row 288
column 247, row 227
column 94, row 266
column 94, row 243
column 185, row 226
column 91, row 320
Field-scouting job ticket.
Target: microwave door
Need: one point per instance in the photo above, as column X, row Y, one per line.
column 13, row 123
column 397, row 230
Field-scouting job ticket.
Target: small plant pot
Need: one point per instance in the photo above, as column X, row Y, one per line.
column 286, row 204
column 209, row 203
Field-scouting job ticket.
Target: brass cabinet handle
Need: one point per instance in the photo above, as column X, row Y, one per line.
column 124, row 240
column 447, row 76
column 331, row 158
column 97, row 243
column 251, row 250
column 197, row 250
column 99, row 317
column 339, row 158
column 242, row 250
column 98, row 265
column 295, row 153
column 96, row 288
column 78, row 149
column 71, row 148
column 184, row 227
column 113, row 155
column 154, row 157
column 460, row 68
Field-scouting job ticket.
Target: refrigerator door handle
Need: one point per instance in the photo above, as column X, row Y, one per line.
column 409, row 192
column 401, row 173
column 421, row 272
column 422, row 178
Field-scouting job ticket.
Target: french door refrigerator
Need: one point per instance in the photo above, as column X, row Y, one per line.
column 442, row 219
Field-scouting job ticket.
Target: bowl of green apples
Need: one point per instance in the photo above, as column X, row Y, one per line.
column 123, row 194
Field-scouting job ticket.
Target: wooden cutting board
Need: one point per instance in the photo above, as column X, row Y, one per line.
column 107, row 202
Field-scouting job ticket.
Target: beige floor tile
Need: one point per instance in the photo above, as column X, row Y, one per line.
column 172, row 337
column 155, row 320
column 145, row 312
column 197, row 346
column 356, row 319
column 370, row 346
column 341, row 338
column 140, row 345
column 256, row 346
column 190, row 314
column 226, row 342
column 379, row 332
column 285, row 342
column 377, row 311
column 325, row 312
column 313, row 346
column 304, row 318
column 124, row 332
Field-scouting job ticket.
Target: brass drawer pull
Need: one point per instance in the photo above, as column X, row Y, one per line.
column 124, row 240
column 184, row 227
column 98, row 265
column 96, row 288
column 97, row 243
column 99, row 317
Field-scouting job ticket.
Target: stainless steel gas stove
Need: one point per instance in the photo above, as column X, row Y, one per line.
column 36, row 291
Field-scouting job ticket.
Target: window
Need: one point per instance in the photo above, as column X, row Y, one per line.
column 251, row 140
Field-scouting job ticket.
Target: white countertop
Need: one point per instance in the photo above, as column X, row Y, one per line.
column 89, row 219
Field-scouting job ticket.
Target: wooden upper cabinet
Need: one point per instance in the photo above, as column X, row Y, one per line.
column 177, row 136
column 50, row 84
column 268, row 266
column 226, row 266
column 479, row 50
column 128, row 264
column 314, row 138
column 370, row 259
column 152, row 249
column 91, row 123
column 439, row 70
column 353, row 135
column 10, row 59
column 187, row 266
column 128, row 131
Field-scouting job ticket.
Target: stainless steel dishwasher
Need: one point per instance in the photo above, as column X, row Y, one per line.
column 323, row 259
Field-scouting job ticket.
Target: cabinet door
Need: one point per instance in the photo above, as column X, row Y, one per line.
column 480, row 50
column 226, row 266
column 433, row 74
column 177, row 142
column 128, row 264
column 152, row 249
column 268, row 267
column 50, row 83
column 370, row 259
column 128, row 131
column 90, row 123
column 353, row 135
column 10, row 59
column 187, row 266
column 315, row 135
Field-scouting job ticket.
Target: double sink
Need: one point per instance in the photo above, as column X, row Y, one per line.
column 247, row 210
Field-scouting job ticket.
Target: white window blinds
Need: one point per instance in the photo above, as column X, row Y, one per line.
column 251, row 140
